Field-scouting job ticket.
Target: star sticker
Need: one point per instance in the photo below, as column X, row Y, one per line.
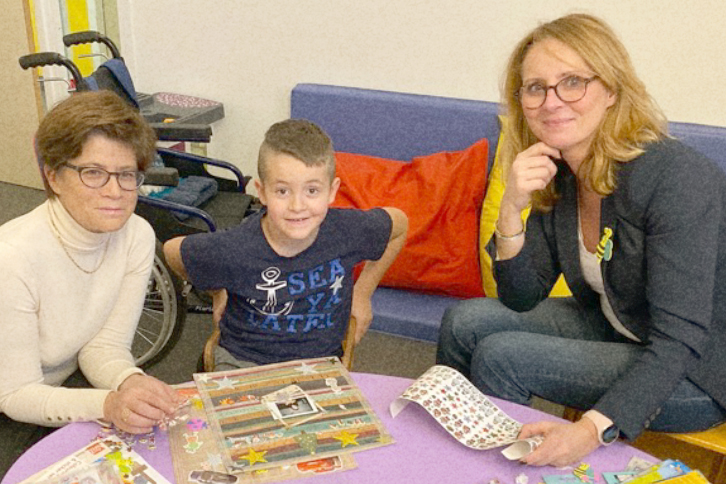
column 346, row 438
column 306, row 369
column 203, row 377
column 214, row 459
column 225, row 383
column 253, row 456
column 337, row 285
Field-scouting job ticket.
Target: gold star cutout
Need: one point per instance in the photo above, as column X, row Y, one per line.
column 253, row 456
column 346, row 438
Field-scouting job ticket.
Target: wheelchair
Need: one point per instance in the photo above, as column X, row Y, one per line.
column 165, row 307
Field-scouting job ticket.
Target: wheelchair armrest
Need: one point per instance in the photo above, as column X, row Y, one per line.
column 201, row 161
column 193, row 133
column 177, row 207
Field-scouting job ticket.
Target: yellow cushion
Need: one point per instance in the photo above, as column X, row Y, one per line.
column 489, row 215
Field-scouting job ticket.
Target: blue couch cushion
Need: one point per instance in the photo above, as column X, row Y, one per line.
column 410, row 314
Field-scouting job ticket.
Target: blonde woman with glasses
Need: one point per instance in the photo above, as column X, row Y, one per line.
column 634, row 220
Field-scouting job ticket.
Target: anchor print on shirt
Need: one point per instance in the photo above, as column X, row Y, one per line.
column 315, row 292
column 271, row 286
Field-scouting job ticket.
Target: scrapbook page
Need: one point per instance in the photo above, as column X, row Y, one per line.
column 197, row 460
column 130, row 466
column 287, row 413
column 465, row 412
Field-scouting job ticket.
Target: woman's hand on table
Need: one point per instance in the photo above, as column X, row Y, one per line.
column 140, row 403
column 564, row 443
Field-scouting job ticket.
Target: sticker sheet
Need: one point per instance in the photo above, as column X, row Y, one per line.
column 197, row 460
column 465, row 412
column 287, row 413
column 131, row 467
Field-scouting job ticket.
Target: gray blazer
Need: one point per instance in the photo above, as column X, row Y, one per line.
column 665, row 278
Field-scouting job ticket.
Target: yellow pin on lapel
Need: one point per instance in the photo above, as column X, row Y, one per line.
column 604, row 250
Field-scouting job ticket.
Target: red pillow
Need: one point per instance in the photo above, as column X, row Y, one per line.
column 442, row 194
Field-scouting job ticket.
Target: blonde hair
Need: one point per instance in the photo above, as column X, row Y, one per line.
column 631, row 122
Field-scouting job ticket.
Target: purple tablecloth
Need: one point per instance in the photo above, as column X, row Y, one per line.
column 423, row 451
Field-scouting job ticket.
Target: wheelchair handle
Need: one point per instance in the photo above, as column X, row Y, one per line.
column 52, row 58
column 89, row 36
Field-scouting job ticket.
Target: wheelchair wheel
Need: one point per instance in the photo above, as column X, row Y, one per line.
column 162, row 318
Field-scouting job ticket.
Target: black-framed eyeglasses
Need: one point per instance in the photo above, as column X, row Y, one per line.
column 95, row 177
column 570, row 89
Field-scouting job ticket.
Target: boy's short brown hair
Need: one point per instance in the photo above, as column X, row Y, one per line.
column 66, row 128
column 301, row 139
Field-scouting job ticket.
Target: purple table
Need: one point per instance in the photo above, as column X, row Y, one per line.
column 423, row 451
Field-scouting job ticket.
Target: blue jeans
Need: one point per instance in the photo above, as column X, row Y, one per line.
column 558, row 353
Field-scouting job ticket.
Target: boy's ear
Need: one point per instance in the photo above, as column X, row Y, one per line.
column 334, row 186
column 260, row 191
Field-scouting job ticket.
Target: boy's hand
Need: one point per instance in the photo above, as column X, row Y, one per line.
column 362, row 310
column 219, row 304
column 373, row 271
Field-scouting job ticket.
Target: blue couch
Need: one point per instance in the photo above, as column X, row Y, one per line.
column 400, row 126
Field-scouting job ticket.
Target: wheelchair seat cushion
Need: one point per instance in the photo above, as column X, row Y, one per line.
column 192, row 191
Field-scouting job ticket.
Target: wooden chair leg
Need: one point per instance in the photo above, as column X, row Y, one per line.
column 209, row 347
column 718, row 472
column 349, row 344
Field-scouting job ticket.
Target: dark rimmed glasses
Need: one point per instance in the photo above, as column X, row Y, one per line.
column 95, row 177
column 570, row 89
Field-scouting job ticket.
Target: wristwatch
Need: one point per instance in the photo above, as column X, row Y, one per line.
column 607, row 431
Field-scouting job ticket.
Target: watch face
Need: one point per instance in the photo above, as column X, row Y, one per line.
column 610, row 434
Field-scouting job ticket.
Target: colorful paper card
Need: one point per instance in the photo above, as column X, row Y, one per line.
column 666, row 469
column 130, row 466
column 197, row 459
column 287, row 413
column 693, row 477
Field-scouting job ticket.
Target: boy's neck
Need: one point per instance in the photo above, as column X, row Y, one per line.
column 283, row 246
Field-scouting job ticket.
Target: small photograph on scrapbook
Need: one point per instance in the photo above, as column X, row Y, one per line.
column 295, row 407
column 289, row 403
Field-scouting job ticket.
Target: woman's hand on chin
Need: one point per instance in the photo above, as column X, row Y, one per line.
column 531, row 170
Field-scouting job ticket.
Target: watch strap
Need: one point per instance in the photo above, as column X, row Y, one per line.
column 607, row 431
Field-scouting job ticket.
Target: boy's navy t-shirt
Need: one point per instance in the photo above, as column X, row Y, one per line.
column 285, row 308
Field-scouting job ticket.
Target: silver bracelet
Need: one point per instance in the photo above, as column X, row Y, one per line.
column 508, row 237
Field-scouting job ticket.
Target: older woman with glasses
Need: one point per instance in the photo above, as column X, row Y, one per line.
column 634, row 220
column 74, row 276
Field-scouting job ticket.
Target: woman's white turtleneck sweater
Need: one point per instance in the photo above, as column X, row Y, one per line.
column 55, row 318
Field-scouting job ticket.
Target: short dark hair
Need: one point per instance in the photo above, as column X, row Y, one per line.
column 66, row 128
column 299, row 138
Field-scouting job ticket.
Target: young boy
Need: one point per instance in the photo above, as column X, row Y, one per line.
column 286, row 273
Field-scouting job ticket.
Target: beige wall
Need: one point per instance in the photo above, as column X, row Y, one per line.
column 19, row 112
column 248, row 54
